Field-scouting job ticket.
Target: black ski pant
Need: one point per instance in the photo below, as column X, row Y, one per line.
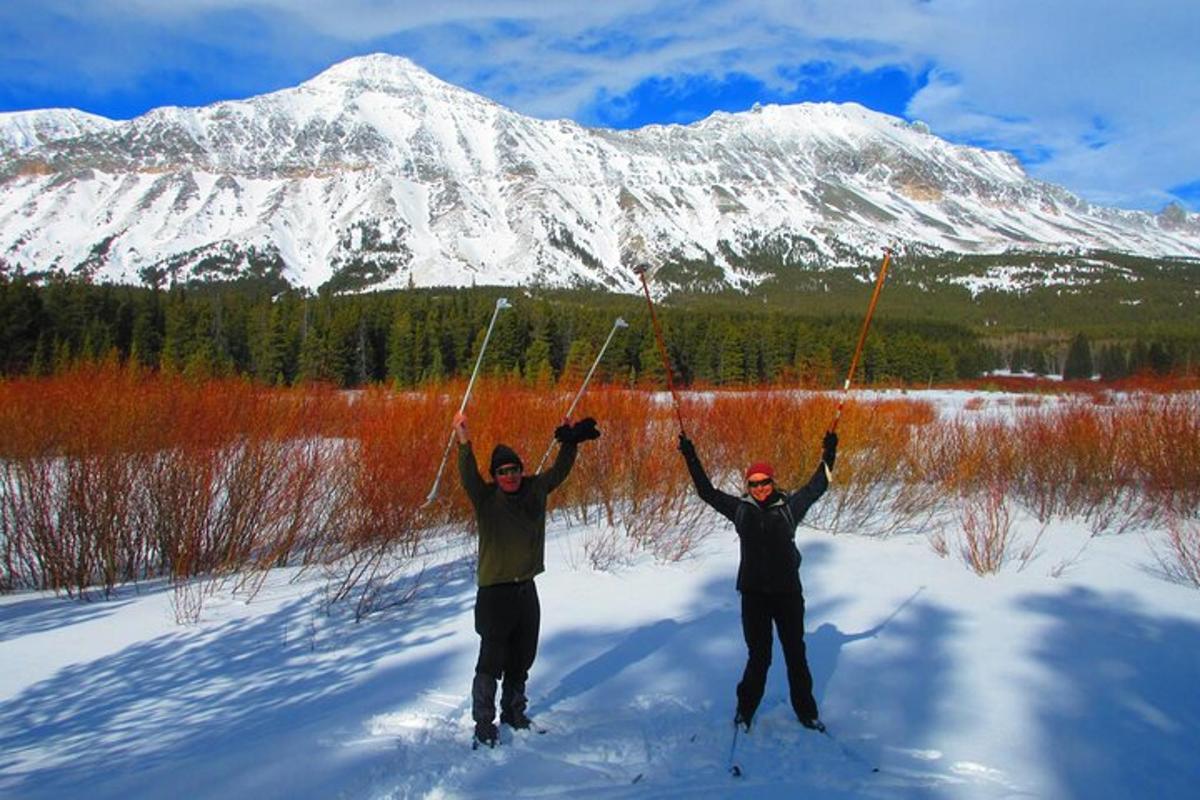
column 786, row 611
column 507, row 619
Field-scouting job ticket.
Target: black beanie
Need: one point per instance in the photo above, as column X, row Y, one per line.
column 503, row 454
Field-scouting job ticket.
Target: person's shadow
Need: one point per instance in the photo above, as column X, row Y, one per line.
column 826, row 642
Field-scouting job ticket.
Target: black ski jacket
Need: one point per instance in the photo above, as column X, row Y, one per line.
column 767, row 532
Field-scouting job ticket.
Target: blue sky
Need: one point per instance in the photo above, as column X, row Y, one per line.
column 1100, row 96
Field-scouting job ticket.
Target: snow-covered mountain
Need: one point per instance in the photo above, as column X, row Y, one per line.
column 376, row 173
column 29, row 130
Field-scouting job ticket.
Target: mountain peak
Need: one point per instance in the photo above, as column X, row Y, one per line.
column 23, row 130
column 376, row 70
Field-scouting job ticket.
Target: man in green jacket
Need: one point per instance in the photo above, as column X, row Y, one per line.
column 511, row 517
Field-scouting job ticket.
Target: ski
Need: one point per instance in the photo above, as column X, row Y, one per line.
column 533, row 728
column 848, row 751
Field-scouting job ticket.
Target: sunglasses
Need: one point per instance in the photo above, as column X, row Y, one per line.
column 759, row 484
column 507, row 471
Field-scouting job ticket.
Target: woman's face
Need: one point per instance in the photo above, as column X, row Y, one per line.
column 760, row 486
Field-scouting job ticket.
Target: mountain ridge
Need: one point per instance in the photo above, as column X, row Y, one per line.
column 376, row 174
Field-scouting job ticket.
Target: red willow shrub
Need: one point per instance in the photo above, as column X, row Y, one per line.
column 110, row 474
column 1129, row 461
column 1181, row 561
column 635, row 476
column 986, row 529
column 1163, row 445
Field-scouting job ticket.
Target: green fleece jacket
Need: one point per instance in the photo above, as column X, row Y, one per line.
column 512, row 527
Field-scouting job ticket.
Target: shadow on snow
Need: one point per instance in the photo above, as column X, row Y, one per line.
column 187, row 714
column 1120, row 712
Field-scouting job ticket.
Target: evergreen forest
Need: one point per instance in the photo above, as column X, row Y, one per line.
column 412, row 336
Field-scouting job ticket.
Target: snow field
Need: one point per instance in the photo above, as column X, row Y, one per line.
column 954, row 686
column 1067, row 674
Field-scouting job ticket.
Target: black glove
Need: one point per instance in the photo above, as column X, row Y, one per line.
column 686, row 447
column 564, row 434
column 585, row 430
column 829, row 449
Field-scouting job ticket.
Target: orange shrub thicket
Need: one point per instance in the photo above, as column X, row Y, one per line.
column 1162, row 443
column 111, row 474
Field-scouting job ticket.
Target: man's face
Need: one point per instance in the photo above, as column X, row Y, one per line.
column 760, row 486
column 508, row 477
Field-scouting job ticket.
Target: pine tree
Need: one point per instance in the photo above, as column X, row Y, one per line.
column 1159, row 358
column 402, row 365
column 776, row 351
column 813, row 360
column 649, row 366
column 732, row 370
column 537, row 363
column 1139, row 358
column 20, row 326
column 148, row 330
column 281, row 351
column 179, row 332
column 1113, row 364
column 435, row 368
column 578, row 362
column 313, row 358
column 1079, row 360
column 343, row 343
column 1039, row 363
column 507, row 345
column 874, row 365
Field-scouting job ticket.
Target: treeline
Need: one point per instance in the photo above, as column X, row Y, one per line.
column 419, row 335
column 1109, row 360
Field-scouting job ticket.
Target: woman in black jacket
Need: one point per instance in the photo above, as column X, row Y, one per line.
column 769, row 574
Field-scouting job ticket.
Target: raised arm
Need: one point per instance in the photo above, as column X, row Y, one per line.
column 561, row 467
column 569, row 436
column 468, row 469
column 724, row 503
column 800, row 500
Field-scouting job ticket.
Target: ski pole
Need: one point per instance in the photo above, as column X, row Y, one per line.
column 734, row 768
column 641, row 270
column 501, row 303
column 619, row 323
column 862, row 336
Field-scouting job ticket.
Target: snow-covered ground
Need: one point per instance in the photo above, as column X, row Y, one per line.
column 1072, row 674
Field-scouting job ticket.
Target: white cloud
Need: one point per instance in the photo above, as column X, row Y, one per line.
column 1099, row 95
column 1107, row 92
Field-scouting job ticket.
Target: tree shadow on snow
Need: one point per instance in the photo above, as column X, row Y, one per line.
column 39, row 614
column 171, row 717
column 42, row 611
column 1121, row 711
